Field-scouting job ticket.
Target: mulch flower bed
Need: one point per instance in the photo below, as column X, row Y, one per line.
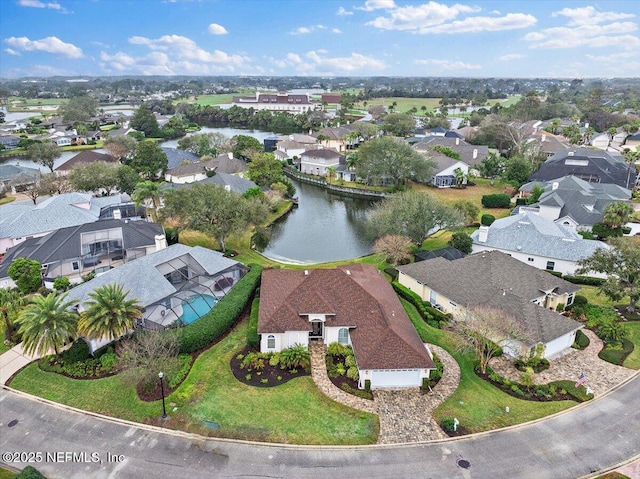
column 267, row 377
column 460, row 431
column 528, row 393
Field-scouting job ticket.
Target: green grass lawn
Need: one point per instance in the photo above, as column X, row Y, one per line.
column 6, row 474
column 633, row 360
column 591, row 293
column 7, row 199
column 478, row 405
column 295, row 412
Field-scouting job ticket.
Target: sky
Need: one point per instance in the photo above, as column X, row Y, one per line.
column 536, row 38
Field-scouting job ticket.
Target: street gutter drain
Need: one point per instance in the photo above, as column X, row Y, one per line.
column 12, row 423
column 464, row 464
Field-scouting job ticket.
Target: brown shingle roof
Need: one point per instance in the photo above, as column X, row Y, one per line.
column 355, row 296
column 85, row 157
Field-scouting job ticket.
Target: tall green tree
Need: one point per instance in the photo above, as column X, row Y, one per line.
column 412, row 214
column 128, row 178
column 202, row 144
column 392, row 158
column 45, row 153
column 79, row 109
column 109, row 314
column 399, row 124
column 47, row 323
column 11, row 302
column 149, row 159
column 517, row 170
column 95, row 176
column 147, row 190
column 265, row 169
column 120, row 147
column 212, row 210
column 245, row 147
column 617, row 214
column 621, row 264
column 26, row 274
column 145, row 121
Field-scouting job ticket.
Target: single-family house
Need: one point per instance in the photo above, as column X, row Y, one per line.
column 448, row 171
column 64, row 140
column 88, row 248
column 633, row 141
column 470, row 154
column 83, row 158
column 496, row 280
column 228, row 182
column 594, row 166
column 573, row 202
column 536, row 241
column 199, row 170
column 547, row 143
column 20, row 221
column 181, row 284
column 316, row 161
column 176, row 157
column 449, row 253
column 9, row 141
column 16, row 178
column 352, row 305
column 339, row 138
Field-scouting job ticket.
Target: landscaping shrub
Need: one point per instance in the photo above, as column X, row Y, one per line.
column 295, row 357
column 582, row 341
column 497, row 200
column 434, row 376
column 337, row 349
column 432, row 316
column 580, row 300
column 535, row 364
column 626, row 230
column 616, row 354
column 183, row 366
column 586, row 280
column 79, row 351
column 521, row 201
column 487, row 220
column 61, row 284
column 30, row 472
column 108, row 361
column 207, row 329
column 356, row 392
column 568, row 387
column 253, row 339
column 392, row 272
column 447, row 424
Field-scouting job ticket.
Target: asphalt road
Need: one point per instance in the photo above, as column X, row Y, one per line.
column 589, row 438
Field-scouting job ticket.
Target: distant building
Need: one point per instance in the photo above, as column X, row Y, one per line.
column 281, row 101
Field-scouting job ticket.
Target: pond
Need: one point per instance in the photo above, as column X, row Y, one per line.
column 323, row 228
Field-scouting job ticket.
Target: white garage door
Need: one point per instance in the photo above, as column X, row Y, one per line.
column 395, row 378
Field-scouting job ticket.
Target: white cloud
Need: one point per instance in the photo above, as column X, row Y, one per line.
column 511, row 56
column 11, row 51
column 510, row 21
column 413, row 18
column 39, row 4
column 593, row 36
column 185, row 49
column 371, row 5
column 306, row 30
column 318, row 63
column 50, row 45
column 336, row 30
column 216, row 29
column 341, row 11
column 589, row 16
column 449, row 64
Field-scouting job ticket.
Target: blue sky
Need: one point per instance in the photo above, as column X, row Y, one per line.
column 540, row 38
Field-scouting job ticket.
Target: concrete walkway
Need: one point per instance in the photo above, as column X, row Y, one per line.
column 13, row 361
column 601, row 375
column 405, row 414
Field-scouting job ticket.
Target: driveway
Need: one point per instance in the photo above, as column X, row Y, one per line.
column 594, row 436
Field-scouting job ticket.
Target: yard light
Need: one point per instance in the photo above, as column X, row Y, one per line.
column 164, row 410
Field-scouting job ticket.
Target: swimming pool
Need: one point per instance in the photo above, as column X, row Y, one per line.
column 196, row 307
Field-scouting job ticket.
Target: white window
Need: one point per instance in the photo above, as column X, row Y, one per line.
column 433, row 299
column 271, row 342
column 343, row 336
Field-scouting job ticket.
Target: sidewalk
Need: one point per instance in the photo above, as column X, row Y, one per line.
column 13, row 361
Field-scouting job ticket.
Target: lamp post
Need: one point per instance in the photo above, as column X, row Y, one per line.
column 164, row 410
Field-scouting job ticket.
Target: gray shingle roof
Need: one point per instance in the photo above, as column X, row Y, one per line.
column 235, row 183
column 497, row 280
column 175, row 156
column 60, row 211
column 155, row 286
column 12, row 172
column 533, row 234
column 65, row 244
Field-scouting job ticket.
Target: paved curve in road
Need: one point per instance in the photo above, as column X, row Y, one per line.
column 592, row 437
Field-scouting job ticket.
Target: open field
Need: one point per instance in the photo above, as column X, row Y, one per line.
column 405, row 104
column 219, row 99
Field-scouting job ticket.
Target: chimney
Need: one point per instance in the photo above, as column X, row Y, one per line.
column 161, row 242
column 555, row 185
column 306, row 272
column 458, row 141
column 544, row 138
column 483, row 232
column 475, row 153
column 117, row 215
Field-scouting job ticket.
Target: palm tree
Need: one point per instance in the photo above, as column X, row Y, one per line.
column 11, row 302
column 147, row 190
column 110, row 315
column 617, row 214
column 47, row 323
column 331, row 173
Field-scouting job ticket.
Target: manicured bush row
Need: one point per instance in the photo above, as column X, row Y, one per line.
column 616, row 355
column 207, row 329
column 497, row 200
column 582, row 341
column 421, row 306
column 392, row 272
column 586, row 280
column 30, row 472
column 180, row 374
column 253, row 340
column 537, row 364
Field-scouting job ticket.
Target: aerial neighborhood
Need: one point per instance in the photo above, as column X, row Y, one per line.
column 376, row 262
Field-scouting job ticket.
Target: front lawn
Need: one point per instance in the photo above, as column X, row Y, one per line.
column 478, row 405
column 295, row 412
column 633, row 360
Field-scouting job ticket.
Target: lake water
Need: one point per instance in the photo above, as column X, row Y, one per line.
column 322, row 228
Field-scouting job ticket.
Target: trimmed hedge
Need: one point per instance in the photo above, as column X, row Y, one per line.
column 586, row 280
column 253, row 340
column 487, row 220
column 582, row 341
column 497, row 200
column 392, row 272
column 617, row 356
column 431, row 315
column 30, row 472
column 208, row 328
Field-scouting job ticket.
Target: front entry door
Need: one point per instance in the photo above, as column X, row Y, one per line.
column 316, row 329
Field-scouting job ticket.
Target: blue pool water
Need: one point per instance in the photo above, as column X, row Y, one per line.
column 196, row 307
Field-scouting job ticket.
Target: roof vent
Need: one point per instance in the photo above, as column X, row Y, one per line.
column 348, row 272
column 306, row 272
column 519, row 248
